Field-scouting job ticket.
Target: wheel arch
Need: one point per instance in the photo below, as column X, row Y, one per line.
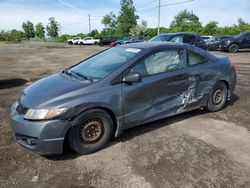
column 225, row 82
column 227, row 85
column 107, row 110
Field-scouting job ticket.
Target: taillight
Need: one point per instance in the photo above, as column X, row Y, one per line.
column 233, row 66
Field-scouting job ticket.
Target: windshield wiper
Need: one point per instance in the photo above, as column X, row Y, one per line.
column 83, row 76
column 66, row 71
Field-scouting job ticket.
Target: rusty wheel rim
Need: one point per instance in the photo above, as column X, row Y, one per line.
column 91, row 130
column 218, row 96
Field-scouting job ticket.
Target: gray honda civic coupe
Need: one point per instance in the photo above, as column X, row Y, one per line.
column 89, row 103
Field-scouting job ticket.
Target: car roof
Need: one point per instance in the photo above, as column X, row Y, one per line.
column 145, row 45
column 186, row 33
column 158, row 45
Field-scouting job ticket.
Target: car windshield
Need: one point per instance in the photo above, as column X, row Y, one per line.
column 159, row 38
column 104, row 63
column 240, row 35
column 126, row 38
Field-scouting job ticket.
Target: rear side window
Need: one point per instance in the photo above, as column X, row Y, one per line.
column 195, row 58
column 159, row 62
column 188, row 38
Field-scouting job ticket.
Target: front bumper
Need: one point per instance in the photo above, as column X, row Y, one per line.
column 224, row 47
column 42, row 137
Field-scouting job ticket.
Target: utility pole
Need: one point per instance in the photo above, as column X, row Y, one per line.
column 159, row 15
column 89, row 24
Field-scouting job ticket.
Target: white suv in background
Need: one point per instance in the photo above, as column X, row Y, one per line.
column 88, row 40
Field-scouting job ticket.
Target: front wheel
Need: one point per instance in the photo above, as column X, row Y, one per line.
column 92, row 133
column 218, row 97
column 233, row 48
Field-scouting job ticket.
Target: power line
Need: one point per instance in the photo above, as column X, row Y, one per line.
column 164, row 5
column 146, row 4
column 170, row 4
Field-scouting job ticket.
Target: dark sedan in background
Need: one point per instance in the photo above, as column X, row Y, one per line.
column 188, row 38
column 107, row 41
column 216, row 42
column 241, row 41
column 128, row 85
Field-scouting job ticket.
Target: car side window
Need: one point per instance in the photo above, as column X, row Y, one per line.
column 195, row 58
column 188, row 38
column 198, row 39
column 247, row 36
column 159, row 62
column 177, row 38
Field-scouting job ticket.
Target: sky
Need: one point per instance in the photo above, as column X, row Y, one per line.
column 73, row 14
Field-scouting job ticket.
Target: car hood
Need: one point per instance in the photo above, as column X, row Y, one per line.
column 51, row 90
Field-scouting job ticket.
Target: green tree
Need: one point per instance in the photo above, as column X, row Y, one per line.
column 16, row 35
column 243, row 26
column 186, row 21
column 139, row 30
column 150, row 32
column 109, row 20
column 95, row 33
column 52, row 28
column 40, row 31
column 127, row 18
column 211, row 28
column 29, row 30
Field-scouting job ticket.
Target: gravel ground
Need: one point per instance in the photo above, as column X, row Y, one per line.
column 195, row 149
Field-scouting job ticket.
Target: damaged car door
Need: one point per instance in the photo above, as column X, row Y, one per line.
column 158, row 93
column 202, row 77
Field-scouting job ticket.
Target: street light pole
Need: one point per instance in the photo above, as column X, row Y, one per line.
column 159, row 15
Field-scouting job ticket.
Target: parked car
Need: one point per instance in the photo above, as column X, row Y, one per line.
column 128, row 85
column 107, row 41
column 75, row 40
column 135, row 39
column 241, row 41
column 88, row 40
column 122, row 41
column 205, row 38
column 215, row 42
column 188, row 38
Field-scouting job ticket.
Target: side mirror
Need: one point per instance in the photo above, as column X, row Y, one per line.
column 132, row 77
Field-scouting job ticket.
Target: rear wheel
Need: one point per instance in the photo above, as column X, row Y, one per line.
column 92, row 133
column 218, row 97
column 233, row 48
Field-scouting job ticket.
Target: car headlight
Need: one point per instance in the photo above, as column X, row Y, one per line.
column 42, row 114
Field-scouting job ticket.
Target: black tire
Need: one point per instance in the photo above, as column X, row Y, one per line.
column 79, row 138
column 218, row 97
column 233, row 48
column 70, row 43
